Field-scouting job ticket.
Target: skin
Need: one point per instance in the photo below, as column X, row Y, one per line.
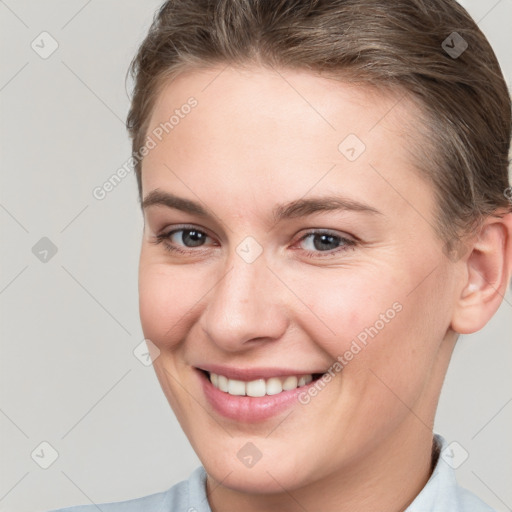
column 257, row 138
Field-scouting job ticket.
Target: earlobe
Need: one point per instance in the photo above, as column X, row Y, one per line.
column 488, row 267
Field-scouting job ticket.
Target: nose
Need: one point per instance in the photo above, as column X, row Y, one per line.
column 246, row 305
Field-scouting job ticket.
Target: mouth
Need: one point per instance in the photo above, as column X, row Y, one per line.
column 260, row 387
column 251, row 395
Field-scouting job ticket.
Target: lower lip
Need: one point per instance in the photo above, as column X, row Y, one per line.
column 247, row 408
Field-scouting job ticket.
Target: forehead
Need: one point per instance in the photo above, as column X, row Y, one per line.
column 261, row 98
column 279, row 131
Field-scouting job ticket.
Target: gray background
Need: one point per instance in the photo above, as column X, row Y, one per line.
column 70, row 325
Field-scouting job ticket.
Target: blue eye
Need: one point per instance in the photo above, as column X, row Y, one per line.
column 319, row 242
column 189, row 237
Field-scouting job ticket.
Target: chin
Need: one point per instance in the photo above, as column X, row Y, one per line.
column 268, row 475
column 256, row 480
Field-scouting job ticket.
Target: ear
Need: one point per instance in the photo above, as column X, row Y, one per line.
column 486, row 276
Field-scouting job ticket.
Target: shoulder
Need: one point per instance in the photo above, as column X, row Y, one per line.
column 150, row 502
column 469, row 502
column 176, row 497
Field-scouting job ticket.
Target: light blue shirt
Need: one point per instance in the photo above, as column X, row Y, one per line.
column 440, row 494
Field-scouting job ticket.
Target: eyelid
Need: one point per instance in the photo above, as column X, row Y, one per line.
column 308, row 232
column 327, row 231
column 184, row 227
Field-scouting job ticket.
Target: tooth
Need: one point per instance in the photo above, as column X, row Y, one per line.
column 222, row 383
column 256, row 388
column 274, row 386
column 259, row 387
column 236, row 387
column 290, row 383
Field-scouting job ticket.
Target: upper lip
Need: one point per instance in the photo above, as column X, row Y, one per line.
column 248, row 374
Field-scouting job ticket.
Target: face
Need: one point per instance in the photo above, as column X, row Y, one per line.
column 288, row 234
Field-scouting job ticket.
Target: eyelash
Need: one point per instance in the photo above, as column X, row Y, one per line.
column 163, row 239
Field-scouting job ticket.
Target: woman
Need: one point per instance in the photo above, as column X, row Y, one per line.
column 324, row 190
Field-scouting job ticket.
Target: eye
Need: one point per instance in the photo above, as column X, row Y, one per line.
column 182, row 240
column 188, row 237
column 317, row 242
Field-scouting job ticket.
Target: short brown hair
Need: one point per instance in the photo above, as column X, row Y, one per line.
column 401, row 45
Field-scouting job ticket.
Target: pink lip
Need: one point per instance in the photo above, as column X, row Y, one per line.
column 247, row 408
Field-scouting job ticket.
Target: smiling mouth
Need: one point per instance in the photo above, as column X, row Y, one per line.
column 259, row 387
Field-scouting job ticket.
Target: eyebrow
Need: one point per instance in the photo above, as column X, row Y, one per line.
column 297, row 208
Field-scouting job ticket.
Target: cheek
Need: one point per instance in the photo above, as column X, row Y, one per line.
column 372, row 320
column 400, row 343
column 167, row 296
column 343, row 306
